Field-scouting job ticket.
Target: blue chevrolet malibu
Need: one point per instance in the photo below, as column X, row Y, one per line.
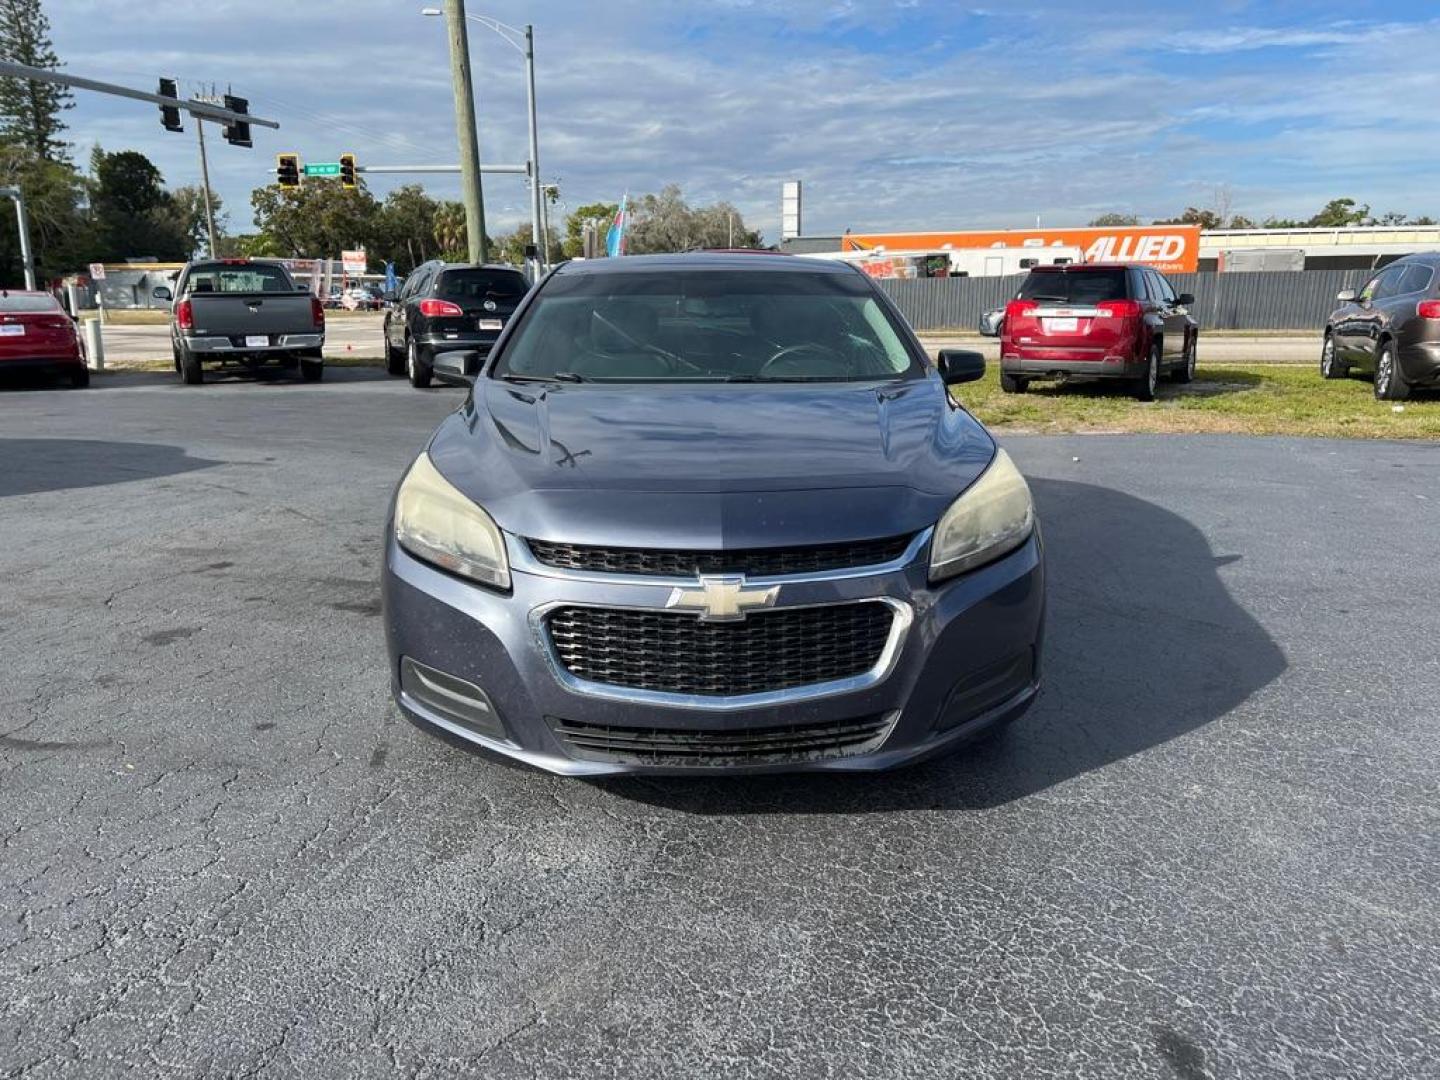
column 713, row 512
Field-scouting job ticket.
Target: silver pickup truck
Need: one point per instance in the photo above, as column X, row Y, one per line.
column 243, row 314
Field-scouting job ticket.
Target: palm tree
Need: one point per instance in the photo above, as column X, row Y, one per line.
column 450, row 231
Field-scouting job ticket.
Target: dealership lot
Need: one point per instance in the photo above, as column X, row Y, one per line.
column 1207, row 851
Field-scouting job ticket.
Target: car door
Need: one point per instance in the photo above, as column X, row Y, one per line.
column 1173, row 315
column 1369, row 317
column 404, row 313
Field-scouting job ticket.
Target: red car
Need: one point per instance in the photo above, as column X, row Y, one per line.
column 36, row 334
column 1098, row 320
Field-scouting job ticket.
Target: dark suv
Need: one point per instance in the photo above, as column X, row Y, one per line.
column 1391, row 327
column 1096, row 320
column 446, row 317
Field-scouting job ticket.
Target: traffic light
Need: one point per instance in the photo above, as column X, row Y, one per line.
column 170, row 114
column 347, row 170
column 238, row 132
column 287, row 170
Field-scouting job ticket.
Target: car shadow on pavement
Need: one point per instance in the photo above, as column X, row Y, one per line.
column 31, row 466
column 1144, row 643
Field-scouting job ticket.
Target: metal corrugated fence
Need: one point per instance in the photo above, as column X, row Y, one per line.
column 1234, row 301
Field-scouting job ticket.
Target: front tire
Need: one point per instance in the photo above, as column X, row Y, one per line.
column 394, row 358
column 1145, row 385
column 417, row 366
column 1390, row 384
column 1331, row 366
column 1186, row 371
column 1013, row 384
column 191, row 374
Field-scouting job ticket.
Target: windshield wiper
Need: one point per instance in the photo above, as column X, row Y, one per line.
column 559, row 376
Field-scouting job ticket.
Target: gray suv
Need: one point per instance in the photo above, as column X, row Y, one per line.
column 1390, row 327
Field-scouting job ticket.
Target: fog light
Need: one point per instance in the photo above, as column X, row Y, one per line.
column 987, row 688
column 454, row 699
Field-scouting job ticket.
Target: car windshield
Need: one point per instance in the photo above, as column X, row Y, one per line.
column 238, row 277
column 1075, row 286
column 21, row 302
column 707, row 326
column 481, row 285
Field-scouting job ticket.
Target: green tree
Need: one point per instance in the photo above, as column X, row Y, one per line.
column 406, row 228
column 318, row 220
column 61, row 233
column 1240, row 221
column 188, row 213
column 1338, row 213
column 30, row 111
column 596, row 215
column 1115, row 220
column 134, row 216
column 451, row 231
column 666, row 222
column 510, row 248
column 1206, row 219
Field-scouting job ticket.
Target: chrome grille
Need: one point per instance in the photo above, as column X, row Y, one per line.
column 754, row 562
column 678, row 653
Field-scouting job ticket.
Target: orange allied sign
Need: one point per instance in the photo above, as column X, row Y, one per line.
column 1173, row 249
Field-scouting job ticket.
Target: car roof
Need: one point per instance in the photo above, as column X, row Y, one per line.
column 1090, row 266
column 764, row 261
column 478, row 266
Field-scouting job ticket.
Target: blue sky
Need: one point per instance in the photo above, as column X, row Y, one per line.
column 908, row 113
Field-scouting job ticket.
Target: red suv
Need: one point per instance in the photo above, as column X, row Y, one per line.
column 1098, row 321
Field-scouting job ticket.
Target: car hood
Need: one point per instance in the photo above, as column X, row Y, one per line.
column 711, row 466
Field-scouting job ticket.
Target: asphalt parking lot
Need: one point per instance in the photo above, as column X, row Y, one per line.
column 1209, row 850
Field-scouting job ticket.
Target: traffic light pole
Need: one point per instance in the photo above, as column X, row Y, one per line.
column 22, row 221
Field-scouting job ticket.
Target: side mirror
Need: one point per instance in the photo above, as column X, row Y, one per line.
column 960, row 366
column 1346, row 296
column 991, row 321
column 161, row 292
column 1185, row 299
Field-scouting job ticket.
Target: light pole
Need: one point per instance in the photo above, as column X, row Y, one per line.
column 22, row 222
column 523, row 42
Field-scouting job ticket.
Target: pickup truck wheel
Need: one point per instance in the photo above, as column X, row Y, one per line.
column 312, row 370
column 190, row 371
column 417, row 365
column 1013, row 384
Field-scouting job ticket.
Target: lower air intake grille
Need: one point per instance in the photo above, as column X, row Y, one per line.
column 753, row 745
column 677, row 653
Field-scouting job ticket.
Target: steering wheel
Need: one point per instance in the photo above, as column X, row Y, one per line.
column 800, row 360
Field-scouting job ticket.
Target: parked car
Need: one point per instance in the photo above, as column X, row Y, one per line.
column 1096, row 320
column 1389, row 328
column 243, row 314
column 37, row 335
column 713, row 512
column 446, row 317
column 361, row 298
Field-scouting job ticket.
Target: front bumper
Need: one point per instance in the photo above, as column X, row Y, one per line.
column 931, row 690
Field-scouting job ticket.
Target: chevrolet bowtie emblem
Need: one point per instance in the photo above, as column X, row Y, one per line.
column 722, row 598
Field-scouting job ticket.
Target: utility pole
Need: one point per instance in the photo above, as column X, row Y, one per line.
column 465, row 129
column 205, row 181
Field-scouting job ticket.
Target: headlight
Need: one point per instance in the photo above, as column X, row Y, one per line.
column 435, row 522
column 992, row 517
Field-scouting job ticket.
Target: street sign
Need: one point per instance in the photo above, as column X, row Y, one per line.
column 322, row 168
column 97, row 272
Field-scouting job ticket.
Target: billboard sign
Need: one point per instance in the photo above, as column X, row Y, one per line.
column 1173, row 249
column 353, row 262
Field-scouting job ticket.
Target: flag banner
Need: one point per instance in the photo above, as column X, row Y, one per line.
column 615, row 238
